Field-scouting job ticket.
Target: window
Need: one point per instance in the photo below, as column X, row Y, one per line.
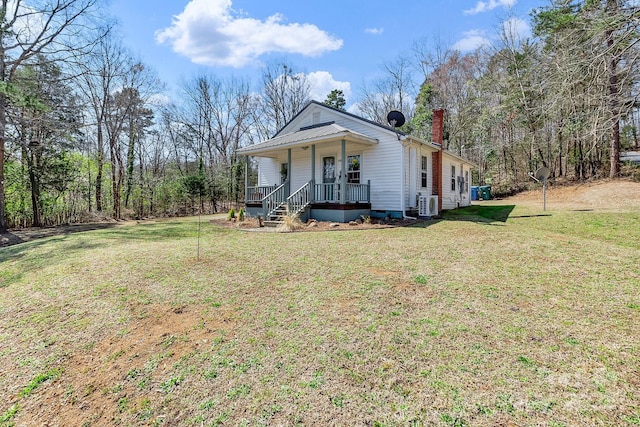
column 353, row 169
column 284, row 172
column 453, row 178
column 424, row 165
column 465, row 188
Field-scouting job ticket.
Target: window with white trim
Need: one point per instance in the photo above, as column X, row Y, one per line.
column 424, row 177
column 453, row 178
column 465, row 188
column 353, row 169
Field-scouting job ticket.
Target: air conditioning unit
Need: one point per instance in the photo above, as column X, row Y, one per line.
column 427, row 205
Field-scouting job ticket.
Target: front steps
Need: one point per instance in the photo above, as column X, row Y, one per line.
column 277, row 217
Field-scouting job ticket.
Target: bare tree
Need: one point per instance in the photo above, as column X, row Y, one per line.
column 218, row 117
column 126, row 118
column 394, row 90
column 102, row 74
column 597, row 42
column 284, row 92
column 118, row 89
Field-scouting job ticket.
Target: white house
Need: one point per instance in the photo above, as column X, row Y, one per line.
column 332, row 165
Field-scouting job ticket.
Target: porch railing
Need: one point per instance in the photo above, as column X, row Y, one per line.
column 359, row 192
column 326, row 193
column 300, row 199
column 274, row 200
column 330, row 193
column 256, row 194
column 276, row 196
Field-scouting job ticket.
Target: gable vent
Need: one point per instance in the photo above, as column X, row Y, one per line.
column 318, row 125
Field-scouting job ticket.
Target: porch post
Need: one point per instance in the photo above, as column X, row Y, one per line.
column 246, row 178
column 343, row 174
column 289, row 173
column 312, row 196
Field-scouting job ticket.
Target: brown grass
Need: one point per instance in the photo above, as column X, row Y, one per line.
column 290, row 223
column 481, row 320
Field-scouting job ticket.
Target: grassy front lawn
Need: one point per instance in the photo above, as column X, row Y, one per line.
column 497, row 315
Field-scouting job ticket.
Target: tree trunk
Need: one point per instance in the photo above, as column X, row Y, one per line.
column 130, row 162
column 116, row 180
column 99, row 172
column 614, row 154
column 612, row 8
column 35, row 187
column 141, row 183
column 3, row 123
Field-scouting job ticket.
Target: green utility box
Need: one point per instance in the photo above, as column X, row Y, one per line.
column 485, row 192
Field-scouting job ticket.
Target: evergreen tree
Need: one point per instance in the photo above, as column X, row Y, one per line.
column 336, row 99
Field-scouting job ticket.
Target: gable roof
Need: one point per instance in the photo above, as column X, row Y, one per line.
column 329, row 131
column 343, row 112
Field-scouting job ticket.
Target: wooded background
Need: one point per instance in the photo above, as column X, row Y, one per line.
column 86, row 131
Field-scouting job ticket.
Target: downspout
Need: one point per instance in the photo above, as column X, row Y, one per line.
column 343, row 173
column 312, row 190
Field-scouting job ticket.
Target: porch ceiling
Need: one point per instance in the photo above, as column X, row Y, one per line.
column 305, row 137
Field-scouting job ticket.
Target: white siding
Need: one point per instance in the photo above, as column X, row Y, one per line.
column 454, row 199
column 413, row 174
column 449, row 199
column 466, row 195
column 380, row 163
column 268, row 171
column 428, row 190
column 382, row 167
column 413, row 177
column 300, row 167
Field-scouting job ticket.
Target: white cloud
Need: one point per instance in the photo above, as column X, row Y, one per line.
column 472, row 40
column 354, row 109
column 375, row 31
column 211, row 32
column 485, row 6
column 27, row 22
column 322, row 83
column 516, row 28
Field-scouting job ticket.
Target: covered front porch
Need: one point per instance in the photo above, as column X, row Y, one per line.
column 329, row 157
column 324, row 201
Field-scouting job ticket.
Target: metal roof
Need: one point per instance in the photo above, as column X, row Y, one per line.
column 309, row 135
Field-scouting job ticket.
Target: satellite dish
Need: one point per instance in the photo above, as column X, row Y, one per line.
column 395, row 118
column 542, row 173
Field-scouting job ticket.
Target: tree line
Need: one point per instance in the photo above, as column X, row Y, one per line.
column 86, row 132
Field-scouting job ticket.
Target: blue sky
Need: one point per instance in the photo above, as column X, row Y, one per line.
column 338, row 43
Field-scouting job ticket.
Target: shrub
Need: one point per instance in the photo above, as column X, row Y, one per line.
column 231, row 215
column 241, row 215
column 631, row 171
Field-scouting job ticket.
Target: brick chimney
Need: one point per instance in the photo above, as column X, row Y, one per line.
column 437, row 134
column 437, row 127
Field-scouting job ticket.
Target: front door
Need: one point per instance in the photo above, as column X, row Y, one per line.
column 329, row 178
